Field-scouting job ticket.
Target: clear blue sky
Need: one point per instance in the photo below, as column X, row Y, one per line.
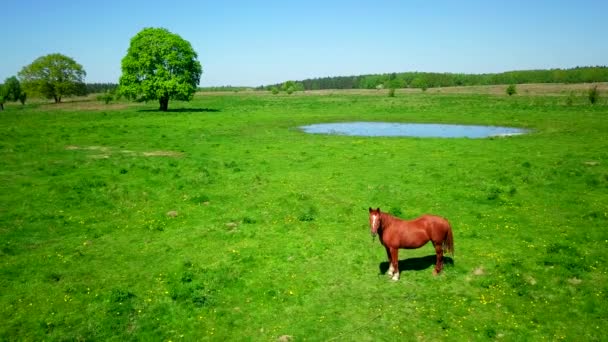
column 252, row 43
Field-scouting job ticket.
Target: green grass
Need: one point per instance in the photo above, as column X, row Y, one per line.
column 271, row 236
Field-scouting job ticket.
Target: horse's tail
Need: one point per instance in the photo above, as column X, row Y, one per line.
column 448, row 243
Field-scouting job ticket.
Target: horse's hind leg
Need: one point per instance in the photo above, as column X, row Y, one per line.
column 439, row 263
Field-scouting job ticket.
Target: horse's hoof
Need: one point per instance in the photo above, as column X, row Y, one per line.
column 389, row 273
column 435, row 272
column 395, row 277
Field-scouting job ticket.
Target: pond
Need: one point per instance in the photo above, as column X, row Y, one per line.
column 391, row 129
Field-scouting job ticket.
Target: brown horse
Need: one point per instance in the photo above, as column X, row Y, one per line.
column 396, row 233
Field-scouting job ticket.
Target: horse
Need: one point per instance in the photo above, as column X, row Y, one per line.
column 397, row 233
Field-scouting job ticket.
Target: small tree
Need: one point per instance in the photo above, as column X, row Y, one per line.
column 391, row 92
column 511, row 90
column 289, row 87
column 288, row 84
column 53, row 76
column 11, row 91
column 2, row 96
column 393, row 82
column 419, row 82
column 594, row 94
column 12, row 87
column 160, row 65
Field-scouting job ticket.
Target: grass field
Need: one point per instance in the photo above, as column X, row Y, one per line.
column 220, row 220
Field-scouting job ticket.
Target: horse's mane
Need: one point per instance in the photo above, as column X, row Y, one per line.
column 390, row 218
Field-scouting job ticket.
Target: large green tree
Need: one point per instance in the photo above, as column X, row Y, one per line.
column 160, row 65
column 53, row 76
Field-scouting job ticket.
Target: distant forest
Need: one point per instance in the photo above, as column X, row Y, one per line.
column 425, row 80
column 223, row 88
column 93, row 88
column 421, row 80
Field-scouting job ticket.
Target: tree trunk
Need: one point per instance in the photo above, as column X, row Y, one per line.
column 164, row 104
column 1, row 106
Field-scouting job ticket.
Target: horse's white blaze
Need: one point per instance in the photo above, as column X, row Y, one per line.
column 374, row 221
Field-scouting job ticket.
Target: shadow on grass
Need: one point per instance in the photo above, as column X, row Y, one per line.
column 183, row 110
column 416, row 264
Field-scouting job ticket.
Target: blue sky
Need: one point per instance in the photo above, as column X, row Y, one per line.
column 252, row 43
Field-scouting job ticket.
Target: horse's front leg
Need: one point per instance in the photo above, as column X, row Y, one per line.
column 395, row 262
column 391, row 269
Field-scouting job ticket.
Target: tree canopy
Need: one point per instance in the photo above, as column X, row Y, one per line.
column 160, row 65
column 53, row 76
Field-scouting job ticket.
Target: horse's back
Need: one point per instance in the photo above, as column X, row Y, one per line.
column 436, row 219
column 436, row 226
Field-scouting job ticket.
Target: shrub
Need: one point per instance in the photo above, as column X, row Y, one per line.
column 594, row 95
column 274, row 90
column 106, row 97
column 395, row 211
column 570, row 99
column 511, row 90
column 391, row 92
column 308, row 215
column 249, row 220
column 120, row 295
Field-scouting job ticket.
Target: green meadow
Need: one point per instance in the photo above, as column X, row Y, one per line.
column 221, row 220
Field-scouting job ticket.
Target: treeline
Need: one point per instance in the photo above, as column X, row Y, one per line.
column 430, row 79
column 223, row 88
column 94, row 88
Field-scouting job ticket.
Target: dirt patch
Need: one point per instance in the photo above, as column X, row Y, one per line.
column 99, row 156
column 106, row 152
column 479, row 271
column 162, row 154
column 89, row 148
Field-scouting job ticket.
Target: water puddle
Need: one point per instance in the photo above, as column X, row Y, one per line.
column 389, row 129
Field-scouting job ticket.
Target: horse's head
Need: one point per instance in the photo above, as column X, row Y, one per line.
column 374, row 220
